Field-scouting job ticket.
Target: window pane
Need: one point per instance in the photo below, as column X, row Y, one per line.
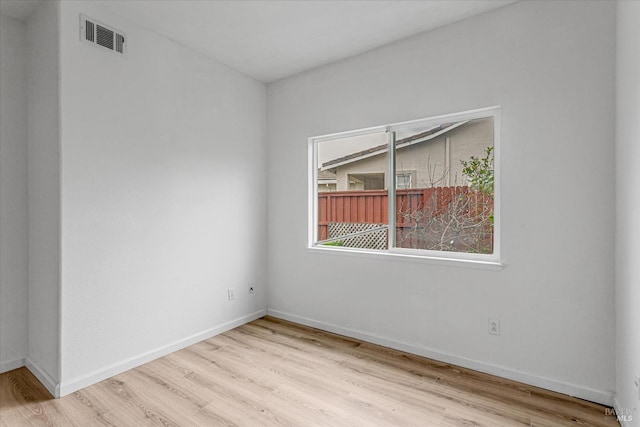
column 403, row 180
column 449, row 205
column 352, row 192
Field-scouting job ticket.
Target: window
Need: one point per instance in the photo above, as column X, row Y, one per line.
column 403, row 180
column 355, row 214
column 438, row 176
column 366, row 181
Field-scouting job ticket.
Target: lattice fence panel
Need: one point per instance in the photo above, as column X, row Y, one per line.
column 377, row 239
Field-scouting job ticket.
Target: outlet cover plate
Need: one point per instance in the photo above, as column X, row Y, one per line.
column 494, row 327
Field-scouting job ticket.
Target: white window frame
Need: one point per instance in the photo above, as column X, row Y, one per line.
column 491, row 261
column 404, row 174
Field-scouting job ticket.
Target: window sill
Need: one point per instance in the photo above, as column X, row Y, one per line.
column 403, row 257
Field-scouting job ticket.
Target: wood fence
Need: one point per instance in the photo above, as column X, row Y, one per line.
column 424, row 216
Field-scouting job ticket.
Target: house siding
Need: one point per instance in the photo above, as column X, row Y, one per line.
column 426, row 161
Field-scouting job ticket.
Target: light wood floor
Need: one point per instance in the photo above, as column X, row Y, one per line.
column 274, row 373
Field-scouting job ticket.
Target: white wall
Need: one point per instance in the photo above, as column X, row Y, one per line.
column 13, row 194
column 163, row 198
column 43, row 193
column 550, row 65
column 627, row 211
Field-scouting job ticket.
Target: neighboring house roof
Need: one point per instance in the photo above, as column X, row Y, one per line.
column 401, row 143
column 326, row 177
column 326, row 174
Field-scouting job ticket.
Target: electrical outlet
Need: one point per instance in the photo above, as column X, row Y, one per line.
column 231, row 294
column 494, row 327
column 252, row 289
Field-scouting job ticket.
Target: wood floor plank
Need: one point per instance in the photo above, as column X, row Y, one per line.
column 271, row 372
column 459, row 417
column 22, row 397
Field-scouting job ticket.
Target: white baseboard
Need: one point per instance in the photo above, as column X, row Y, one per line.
column 599, row 396
column 83, row 381
column 46, row 380
column 10, row 365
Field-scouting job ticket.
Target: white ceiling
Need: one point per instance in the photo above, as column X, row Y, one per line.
column 269, row 40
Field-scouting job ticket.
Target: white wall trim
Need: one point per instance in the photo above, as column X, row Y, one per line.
column 46, row 380
column 10, row 365
column 593, row 395
column 74, row 384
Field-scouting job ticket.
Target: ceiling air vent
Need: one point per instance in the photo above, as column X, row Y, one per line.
column 99, row 34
